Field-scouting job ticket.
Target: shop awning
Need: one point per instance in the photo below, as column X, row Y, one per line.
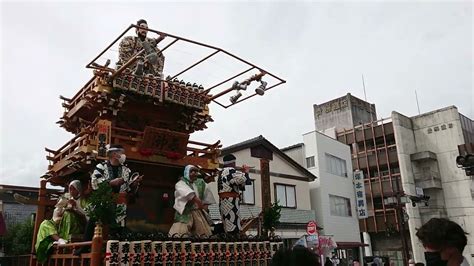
column 350, row 244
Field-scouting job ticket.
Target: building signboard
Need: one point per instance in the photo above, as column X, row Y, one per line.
column 361, row 202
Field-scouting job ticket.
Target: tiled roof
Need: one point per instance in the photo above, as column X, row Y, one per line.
column 291, row 216
column 298, row 145
column 7, row 192
column 240, row 144
column 260, row 140
column 246, row 211
column 297, row 216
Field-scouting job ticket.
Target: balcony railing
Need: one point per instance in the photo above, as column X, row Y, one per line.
column 427, row 175
column 428, row 179
column 423, row 156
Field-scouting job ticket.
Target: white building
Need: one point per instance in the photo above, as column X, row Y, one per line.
column 427, row 147
column 402, row 155
column 276, row 177
column 332, row 194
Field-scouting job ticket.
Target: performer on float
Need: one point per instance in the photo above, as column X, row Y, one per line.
column 118, row 177
column 229, row 183
column 68, row 218
column 192, row 197
column 153, row 60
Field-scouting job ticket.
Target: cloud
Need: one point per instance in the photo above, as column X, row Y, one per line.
column 320, row 48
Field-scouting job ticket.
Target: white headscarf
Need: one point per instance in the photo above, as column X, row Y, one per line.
column 77, row 185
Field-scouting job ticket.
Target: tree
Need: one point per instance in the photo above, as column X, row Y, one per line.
column 18, row 239
column 271, row 218
column 103, row 206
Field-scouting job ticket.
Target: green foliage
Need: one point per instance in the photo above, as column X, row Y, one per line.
column 18, row 239
column 271, row 217
column 102, row 205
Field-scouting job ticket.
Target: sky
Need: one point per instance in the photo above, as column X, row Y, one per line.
column 320, row 48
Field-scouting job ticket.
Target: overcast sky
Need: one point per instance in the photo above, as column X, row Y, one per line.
column 320, row 48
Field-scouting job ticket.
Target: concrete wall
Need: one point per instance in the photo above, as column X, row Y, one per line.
column 467, row 126
column 309, row 149
column 406, row 145
column 344, row 112
column 343, row 228
column 341, row 118
column 456, row 185
column 280, row 165
column 297, row 154
column 362, row 112
column 440, row 132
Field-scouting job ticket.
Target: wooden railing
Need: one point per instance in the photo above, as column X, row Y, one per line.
column 84, row 138
column 71, row 103
column 63, row 255
column 200, row 149
column 81, row 139
column 156, row 88
column 174, row 251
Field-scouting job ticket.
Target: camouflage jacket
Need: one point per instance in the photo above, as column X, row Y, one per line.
column 131, row 45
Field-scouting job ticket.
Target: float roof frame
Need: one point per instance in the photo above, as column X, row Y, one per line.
column 215, row 50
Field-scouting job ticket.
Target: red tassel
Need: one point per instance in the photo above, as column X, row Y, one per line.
column 146, row 152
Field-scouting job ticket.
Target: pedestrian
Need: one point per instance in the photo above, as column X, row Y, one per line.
column 444, row 242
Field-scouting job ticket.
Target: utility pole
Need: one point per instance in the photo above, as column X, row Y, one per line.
column 398, row 200
column 401, row 221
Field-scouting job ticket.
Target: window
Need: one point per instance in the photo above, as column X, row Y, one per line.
column 378, row 203
column 310, row 162
column 248, row 195
column 340, row 206
column 335, row 165
column 379, row 142
column 285, row 195
column 395, row 169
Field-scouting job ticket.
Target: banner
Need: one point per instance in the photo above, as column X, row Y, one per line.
column 361, row 202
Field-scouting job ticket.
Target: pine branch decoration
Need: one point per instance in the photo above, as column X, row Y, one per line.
column 103, row 205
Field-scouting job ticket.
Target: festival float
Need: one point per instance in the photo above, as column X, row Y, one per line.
column 153, row 117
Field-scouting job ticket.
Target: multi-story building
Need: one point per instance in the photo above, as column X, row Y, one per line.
column 332, row 193
column 343, row 113
column 404, row 156
column 427, row 146
column 374, row 152
column 275, row 177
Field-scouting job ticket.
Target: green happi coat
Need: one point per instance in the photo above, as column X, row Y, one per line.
column 185, row 217
column 188, row 219
column 70, row 223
